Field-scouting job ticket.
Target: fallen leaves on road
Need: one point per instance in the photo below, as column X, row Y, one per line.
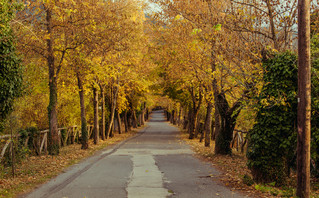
column 35, row 170
column 234, row 169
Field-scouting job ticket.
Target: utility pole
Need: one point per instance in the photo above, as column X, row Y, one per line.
column 304, row 100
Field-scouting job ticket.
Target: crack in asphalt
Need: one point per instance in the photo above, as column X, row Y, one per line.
column 60, row 186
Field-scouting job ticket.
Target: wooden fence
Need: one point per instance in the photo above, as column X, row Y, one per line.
column 40, row 141
column 239, row 140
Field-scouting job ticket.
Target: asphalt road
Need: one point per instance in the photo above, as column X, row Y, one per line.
column 153, row 164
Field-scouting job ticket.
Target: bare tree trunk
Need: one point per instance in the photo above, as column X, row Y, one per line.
column 84, row 138
column 272, row 24
column 111, row 122
column 54, row 140
column 129, row 120
column 195, row 110
column 118, row 118
column 126, row 121
column 179, row 116
column 208, row 124
column 304, row 100
column 103, row 113
column 143, row 114
column 147, row 114
column 96, row 115
column 134, row 119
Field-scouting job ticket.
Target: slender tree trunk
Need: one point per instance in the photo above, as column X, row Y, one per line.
column 84, row 138
column 54, row 140
column 172, row 117
column 134, row 119
column 118, row 118
column 102, row 113
column 125, row 121
column 129, row 120
column 143, row 114
column 304, row 100
column 195, row 111
column 147, row 114
column 179, row 116
column 208, row 124
column 114, row 101
column 187, row 120
column 193, row 123
column 96, row 115
column 272, row 24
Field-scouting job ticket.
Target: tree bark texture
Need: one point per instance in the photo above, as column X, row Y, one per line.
column 113, row 107
column 196, row 103
column 216, row 123
column 96, row 130
column 143, row 114
column 102, row 129
column 304, row 100
column 84, row 137
column 54, row 140
column 126, row 121
column 208, row 124
column 118, row 118
column 134, row 119
column 228, row 118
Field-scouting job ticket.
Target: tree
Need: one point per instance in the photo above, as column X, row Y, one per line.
column 10, row 64
column 304, row 100
column 271, row 142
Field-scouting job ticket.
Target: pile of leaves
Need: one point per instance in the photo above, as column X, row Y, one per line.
column 35, row 170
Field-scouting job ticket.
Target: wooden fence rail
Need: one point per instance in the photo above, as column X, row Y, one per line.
column 239, row 140
column 40, row 141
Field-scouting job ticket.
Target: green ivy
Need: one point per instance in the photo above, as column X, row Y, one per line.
column 315, row 105
column 272, row 140
column 10, row 68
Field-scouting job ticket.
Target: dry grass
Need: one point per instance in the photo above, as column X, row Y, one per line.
column 35, row 170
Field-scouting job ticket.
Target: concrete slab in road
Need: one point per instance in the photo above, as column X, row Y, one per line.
column 153, row 164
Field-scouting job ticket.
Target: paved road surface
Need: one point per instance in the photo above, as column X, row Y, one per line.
column 153, row 164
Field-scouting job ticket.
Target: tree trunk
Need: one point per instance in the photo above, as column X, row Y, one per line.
column 192, row 123
column 195, row 110
column 147, row 114
column 102, row 113
column 216, row 123
column 304, row 100
column 134, row 119
column 272, row 24
column 228, row 118
column 179, row 116
column 143, row 114
column 54, row 140
column 208, row 124
column 172, row 117
column 118, row 118
column 96, row 115
column 114, row 101
column 84, row 138
column 129, row 120
column 125, row 121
